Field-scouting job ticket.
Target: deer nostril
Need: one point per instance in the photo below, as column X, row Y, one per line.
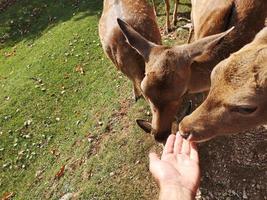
column 185, row 135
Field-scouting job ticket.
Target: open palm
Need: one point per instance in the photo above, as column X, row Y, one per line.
column 178, row 166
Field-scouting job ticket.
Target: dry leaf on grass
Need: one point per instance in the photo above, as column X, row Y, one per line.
column 79, row 69
column 55, row 152
column 60, row 173
column 7, row 195
column 9, row 54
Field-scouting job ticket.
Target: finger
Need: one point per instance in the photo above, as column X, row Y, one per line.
column 153, row 158
column 194, row 152
column 178, row 143
column 185, row 147
column 169, row 145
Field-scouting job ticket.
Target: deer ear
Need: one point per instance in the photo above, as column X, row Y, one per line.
column 205, row 45
column 145, row 125
column 137, row 41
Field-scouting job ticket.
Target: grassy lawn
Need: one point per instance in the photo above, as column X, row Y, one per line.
column 66, row 116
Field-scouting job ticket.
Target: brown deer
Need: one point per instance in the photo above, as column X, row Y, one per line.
column 237, row 100
column 172, row 72
column 138, row 14
column 167, row 8
column 210, row 17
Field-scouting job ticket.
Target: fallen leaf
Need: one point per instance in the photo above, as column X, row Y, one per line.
column 9, row 54
column 55, row 152
column 66, row 76
column 79, row 69
column 7, row 195
column 60, row 172
column 67, row 196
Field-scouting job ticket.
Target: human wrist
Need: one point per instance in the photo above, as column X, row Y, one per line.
column 175, row 191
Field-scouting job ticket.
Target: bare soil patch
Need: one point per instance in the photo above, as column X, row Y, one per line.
column 235, row 167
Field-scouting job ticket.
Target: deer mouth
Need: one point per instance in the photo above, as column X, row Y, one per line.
column 193, row 136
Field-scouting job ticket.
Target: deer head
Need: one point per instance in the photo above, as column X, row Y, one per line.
column 237, row 100
column 167, row 76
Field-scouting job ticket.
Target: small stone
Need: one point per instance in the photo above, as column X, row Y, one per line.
column 245, row 195
column 28, row 122
column 67, row 196
column 90, row 139
column 111, row 173
column 27, row 136
column 5, row 165
column 38, row 173
column 21, row 152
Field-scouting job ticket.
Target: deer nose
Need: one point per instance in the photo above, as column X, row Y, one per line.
column 185, row 135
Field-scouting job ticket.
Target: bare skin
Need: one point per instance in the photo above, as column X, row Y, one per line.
column 177, row 171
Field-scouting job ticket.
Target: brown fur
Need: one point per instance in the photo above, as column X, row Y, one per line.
column 236, row 83
column 172, row 72
column 141, row 16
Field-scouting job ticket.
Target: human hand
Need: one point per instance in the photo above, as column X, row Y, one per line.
column 178, row 167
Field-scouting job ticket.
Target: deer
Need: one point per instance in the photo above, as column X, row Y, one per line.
column 138, row 14
column 237, row 100
column 167, row 9
column 173, row 72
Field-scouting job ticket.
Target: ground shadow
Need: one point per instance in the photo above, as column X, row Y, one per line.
column 186, row 15
column 26, row 19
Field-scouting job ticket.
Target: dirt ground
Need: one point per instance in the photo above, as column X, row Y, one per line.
column 235, row 167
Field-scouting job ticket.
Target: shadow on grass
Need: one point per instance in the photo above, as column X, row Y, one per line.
column 27, row 19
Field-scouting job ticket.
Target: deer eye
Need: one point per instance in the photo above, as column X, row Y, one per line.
column 245, row 110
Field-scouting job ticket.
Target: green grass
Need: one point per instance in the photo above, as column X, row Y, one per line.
column 49, row 110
